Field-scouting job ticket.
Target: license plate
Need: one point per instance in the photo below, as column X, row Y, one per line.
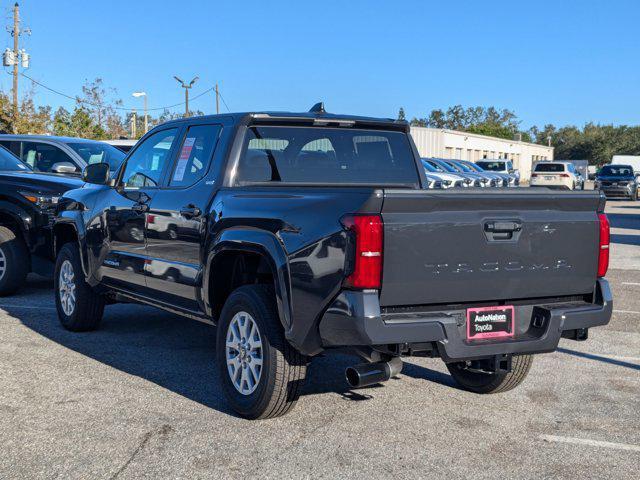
column 548, row 178
column 490, row 322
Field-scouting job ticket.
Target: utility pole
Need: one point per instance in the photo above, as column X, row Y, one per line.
column 187, row 87
column 217, row 100
column 14, row 58
column 16, row 34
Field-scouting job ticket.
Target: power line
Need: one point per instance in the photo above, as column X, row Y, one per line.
column 79, row 100
column 223, row 101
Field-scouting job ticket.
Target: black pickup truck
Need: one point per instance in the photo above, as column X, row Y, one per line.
column 27, row 209
column 302, row 233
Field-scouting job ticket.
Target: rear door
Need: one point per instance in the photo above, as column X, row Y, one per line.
column 468, row 246
column 176, row 221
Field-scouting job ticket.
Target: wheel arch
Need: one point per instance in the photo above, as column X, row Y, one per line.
column 255, row 253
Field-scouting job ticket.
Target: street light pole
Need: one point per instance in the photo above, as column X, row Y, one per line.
column 186, row 87
column 146, row 122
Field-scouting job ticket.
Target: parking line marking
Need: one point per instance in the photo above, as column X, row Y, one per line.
column 592, row 443
column 626, row 311
column 631, row 283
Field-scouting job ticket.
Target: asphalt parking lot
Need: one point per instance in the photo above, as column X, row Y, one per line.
column 140, row 398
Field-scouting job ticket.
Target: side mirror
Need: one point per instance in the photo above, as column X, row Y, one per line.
column 64, row 167
column 97, row 173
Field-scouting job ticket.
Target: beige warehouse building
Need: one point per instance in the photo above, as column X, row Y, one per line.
column 442, row 143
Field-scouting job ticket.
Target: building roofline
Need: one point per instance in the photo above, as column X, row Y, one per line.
column 485, row 137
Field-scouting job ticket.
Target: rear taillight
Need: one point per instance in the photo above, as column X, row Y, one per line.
column 534, row 175
column 564, row 175
column 603, row 251
column 367, row 264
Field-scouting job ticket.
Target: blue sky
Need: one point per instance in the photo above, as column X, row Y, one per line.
column 565, row 62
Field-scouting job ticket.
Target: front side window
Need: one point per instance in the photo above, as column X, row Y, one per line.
column 326, row 155
column 195, row 154
column 42, row 157
column 146, row 164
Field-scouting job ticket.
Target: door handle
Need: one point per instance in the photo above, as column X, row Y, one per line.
column 190, row 211
column 140, row 207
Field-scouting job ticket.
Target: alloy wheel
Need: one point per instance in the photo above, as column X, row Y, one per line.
column 244, row 353
column 67, row 288
column 3, row 263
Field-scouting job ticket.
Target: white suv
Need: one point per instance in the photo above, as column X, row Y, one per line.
column 557, row 175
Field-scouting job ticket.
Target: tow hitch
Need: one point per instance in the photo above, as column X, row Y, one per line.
column 495, row 364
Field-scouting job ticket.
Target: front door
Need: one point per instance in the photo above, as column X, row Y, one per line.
column 126, row 208
column 176, row 222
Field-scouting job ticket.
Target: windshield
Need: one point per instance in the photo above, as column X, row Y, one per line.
column 550, row 167
column 492, row 166
column 474, row 167
column 326, row 156
column 428, row 167
column 617, row 171
column 463, row 167
column 96, row 152
column 447, row 167
column 10, row 163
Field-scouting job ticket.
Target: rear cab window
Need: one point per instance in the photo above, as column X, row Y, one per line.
column 323, row 155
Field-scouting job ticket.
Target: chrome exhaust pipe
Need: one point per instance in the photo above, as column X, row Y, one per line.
column 367, row 374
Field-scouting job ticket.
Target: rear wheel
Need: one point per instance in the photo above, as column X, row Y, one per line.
column 79, row 308
column 484, row 382
column 14, row 262
column 261, row 373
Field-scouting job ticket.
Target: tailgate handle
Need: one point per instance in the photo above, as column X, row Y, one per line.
column 502, row 230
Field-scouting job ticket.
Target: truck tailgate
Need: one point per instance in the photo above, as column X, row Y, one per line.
column 478, row 246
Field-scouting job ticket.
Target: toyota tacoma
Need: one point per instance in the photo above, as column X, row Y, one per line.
column 301, row 233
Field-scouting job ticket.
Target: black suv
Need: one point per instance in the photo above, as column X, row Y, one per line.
column 617, row 181
column 298, row 233
column 27, row 202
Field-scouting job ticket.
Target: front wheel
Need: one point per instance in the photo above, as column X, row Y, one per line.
column 261, row 373
column 79, row 308
column 484, row 382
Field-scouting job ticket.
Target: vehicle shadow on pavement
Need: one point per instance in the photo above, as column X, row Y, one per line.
column 174, row 353
column 625, row 239
column 624, row 220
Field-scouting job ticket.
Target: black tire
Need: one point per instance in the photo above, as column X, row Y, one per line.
column 89, row 306
column 479, row 382
column 14, row 262
column 283, row 368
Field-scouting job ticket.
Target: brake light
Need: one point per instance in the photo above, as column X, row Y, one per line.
column 564, row 175
column 151, row 218
column 367, row 268
column 534, row 175
column 603, row 252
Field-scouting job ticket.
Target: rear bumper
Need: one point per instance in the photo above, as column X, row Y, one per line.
column 354, row 319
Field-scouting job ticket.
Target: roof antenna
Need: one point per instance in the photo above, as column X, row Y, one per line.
column 318, row 108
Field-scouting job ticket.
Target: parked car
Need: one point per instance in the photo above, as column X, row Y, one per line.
column 562, row 175
column 309, row 232
column 484, row 180
column 504, row 167
column 67, row 155
column 447, row 180
column 442, row 167
column 617, row 181
column 501, row 180
column 628, row 160
column 27, row 202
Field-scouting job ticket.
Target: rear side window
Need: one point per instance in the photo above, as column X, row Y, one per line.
column 194, row 155
column 550, row 167
column 326, row 155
